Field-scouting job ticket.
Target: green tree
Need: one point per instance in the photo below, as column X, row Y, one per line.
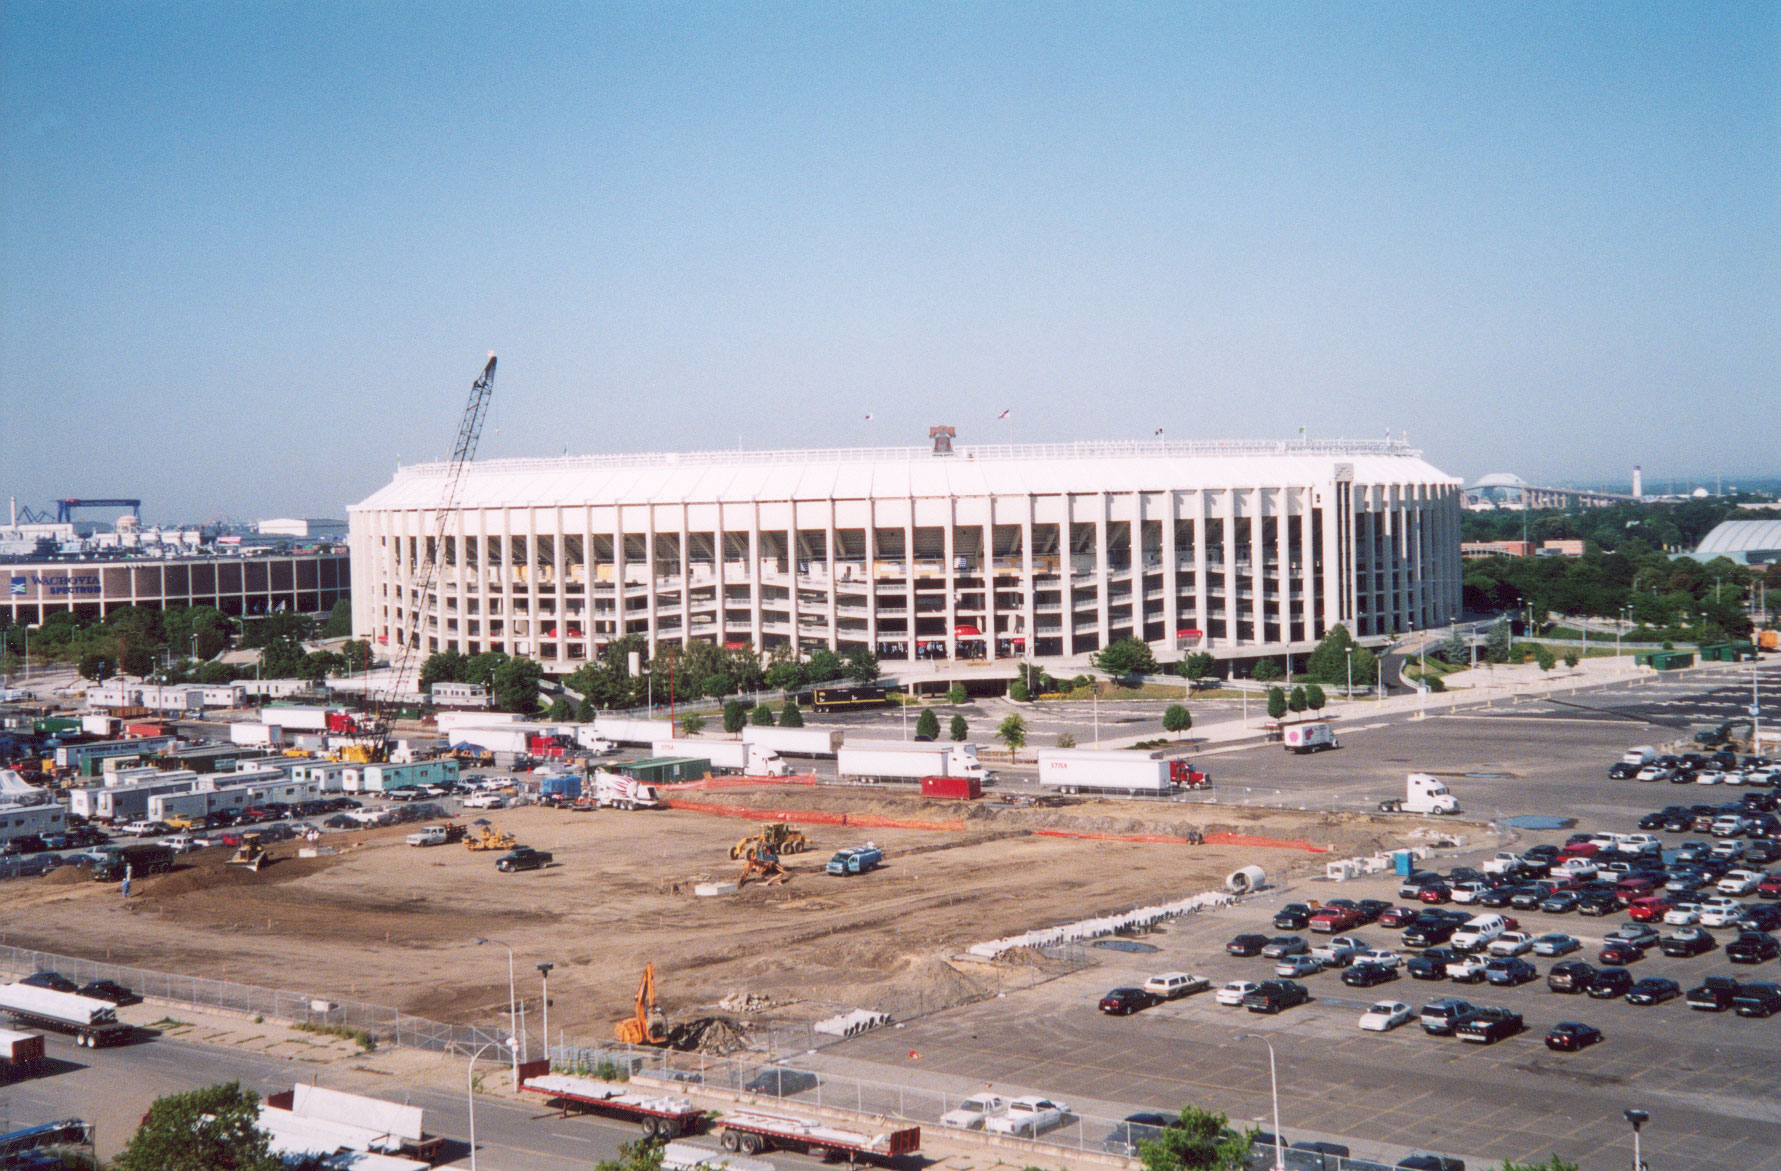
column 1571, row 659
column 643, row 1155
column 1196, row 666
column 562, row 710
column 927, row 725
column 761, row 716
column 823, row 665
column 956, row 694
column 1201, row 1141
column 339, row 623
column 692, row 724
column 1496, row 642
column 201, row 1130
column 1128, row 656
column 1314, row 697
column 1276, row 703
column 1328, row 661
column 1455, row 650
column 1177, row 719
column 1266, row 671
column 584, row 711
column 1017, row 691
column 862, row 666
column 356, row 653
column 1298, row 701
column 735, row 716
column 1544, row 657
column 790, row 715
column 784, row 671
column 1550, row 1163
column 1065, row 740
column 1013, row 733
column 214, row 673
column 959, row 729
column 96, row 667
column 444, row 667
column 515, row 685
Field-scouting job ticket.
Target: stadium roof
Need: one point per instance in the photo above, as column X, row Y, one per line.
column 858, row 473
column 1747, row 541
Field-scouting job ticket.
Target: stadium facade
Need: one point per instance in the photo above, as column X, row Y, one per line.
column 1046, row 552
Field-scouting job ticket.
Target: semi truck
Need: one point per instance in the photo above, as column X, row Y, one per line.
column 1423, row 794
column 93, row 1022
column 901, row 761
column 729, row 756
column 1088, row 770
column 665, row 1116
column 795, row 741
column 1312, row 736
column 624, row 731
column 20, row 1053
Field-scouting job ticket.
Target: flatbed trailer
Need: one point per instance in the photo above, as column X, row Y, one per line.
column 665, row 1115
column 752, row 1133
column 93, row 1022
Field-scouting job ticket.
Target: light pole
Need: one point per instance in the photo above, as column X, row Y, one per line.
column 1638, row 1118
column 1274, row 1087
column 544, row 1007
column 512, row 1001
column 470, row 1091
column 1349, row 649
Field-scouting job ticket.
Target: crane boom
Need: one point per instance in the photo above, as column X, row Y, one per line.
column 432, row 543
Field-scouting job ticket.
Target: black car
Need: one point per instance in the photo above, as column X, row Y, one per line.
column 111, row 992
column 54, row 981
column 1425, row 1161
column 1595, row 903
column 1271, row 996
column 1752, row 947
column 1611, row 983
column 1413, row 884
column 1136, row 1129
column 1757, row 1000
column 1431, row 964
column 780, row 1082
column 1399, row 916
column 1760, row 917
column 1689, row 941
column 1292, row 917
column 1371, row 909
column 1246, row 945
column 522, row 858
column 1489, row 1025
column 339, row 821
column 1429, row 932
column 1654, row 990
column 1570, row 1036
column 1497, row 898
column 1571, row 976
column 1620, row 770
column 1368, row 975
column 1125, row 1001
column 23, row 844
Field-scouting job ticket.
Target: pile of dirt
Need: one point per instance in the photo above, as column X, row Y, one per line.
column 716, row 1035
column 66, row 876
column 218, row 875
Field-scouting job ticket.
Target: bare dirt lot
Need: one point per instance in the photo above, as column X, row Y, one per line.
column 392, row 924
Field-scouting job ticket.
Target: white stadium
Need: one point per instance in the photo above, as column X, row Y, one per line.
column 974, row 553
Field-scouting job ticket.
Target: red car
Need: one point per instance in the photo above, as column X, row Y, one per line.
column 1578, row 850
column 1435, row 892
column 1647, row 910
column 1770, row 887
column 1637, row 887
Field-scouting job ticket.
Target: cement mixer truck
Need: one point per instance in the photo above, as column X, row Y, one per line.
column 1422, row 794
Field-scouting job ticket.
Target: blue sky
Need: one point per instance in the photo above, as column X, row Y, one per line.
column 252, row 254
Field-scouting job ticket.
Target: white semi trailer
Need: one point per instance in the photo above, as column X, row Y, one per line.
column 620, row 730
column 900, row 761
column 1079, row 770
column 1423, row 794
column 93, row 1022
column 731, row 756
column 795, row 741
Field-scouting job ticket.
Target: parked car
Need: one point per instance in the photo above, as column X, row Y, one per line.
column 1431, row 964
column 1246, row 945
column 1272, row 996
column 1292, row 917
column 1298, row 966
column 1688, row 941
column 1639, row 935
column 1752, row 947
column 522, row 858
column 1427, row 1161
column 1363, row 975
column 1611, row 983
column 1232, row 994
column 780, row 1083
column 1510, row 943
column 1571, row 1036
column 1618, row 952
column 109, row 991
column 1714, row 994
column 1507, row 972
column 1654, row 990
column 1125, row 1001
column 1175, row 985
column 973, row 1112
column 1128, row 1136
column 1029, row 1117
column 1757, row 1000
column 54, row 981
column 1555, row 944
column 1282, row 946
column 1338, row 951
column 1441, row 1017
column 1489, row 1025
column 1467, row 969
column 1386, row 1015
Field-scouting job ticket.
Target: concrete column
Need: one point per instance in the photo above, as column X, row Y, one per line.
column 872, row 573
column 1171, row 573
column 1283, row 560
column 618, row 570
column 1230, row 567
column 1258, row 560
column 1202, row 595
column 754, row 578
column 834, row 589
column 951, row 551
column 1103, row 571
column 909, row 576
column 989, row 581
column 686, row 584
column 1029, row 603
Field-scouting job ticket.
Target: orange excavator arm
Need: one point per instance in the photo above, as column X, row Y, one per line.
column 646, row 1025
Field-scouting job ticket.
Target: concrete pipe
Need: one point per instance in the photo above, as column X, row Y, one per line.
column 1249, row 878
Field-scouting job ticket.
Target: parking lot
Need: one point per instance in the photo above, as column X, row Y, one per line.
column 1709, row 1080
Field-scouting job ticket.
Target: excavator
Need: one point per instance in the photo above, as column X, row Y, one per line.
column 646, row 1025
column 776, row 836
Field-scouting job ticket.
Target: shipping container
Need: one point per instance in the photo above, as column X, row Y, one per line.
column 952, row 788
column 138, row 731
column 659, row 770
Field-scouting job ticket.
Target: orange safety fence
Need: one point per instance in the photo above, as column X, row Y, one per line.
column 739, row 782
column 812, row 817
column 1161, row 839
column 1224, row 839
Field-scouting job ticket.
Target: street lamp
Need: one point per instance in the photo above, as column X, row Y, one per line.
column 470, row 1088
column 512, row 1001
column 1349, row 650
column 544, row 978
column 1274, row 1087
column 1638, row 1118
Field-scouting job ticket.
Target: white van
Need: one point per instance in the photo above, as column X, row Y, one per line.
column 1479, row 932
column 1642, row 754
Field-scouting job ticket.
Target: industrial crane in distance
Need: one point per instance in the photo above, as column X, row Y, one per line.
column 373, row 744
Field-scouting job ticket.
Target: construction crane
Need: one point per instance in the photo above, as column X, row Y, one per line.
column 646, row 1025
column 431, row 547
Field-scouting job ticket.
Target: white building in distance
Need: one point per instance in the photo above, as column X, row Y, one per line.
column 1050, row 551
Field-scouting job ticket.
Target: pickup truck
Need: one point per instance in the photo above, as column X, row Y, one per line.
column 436, row 835
column 974, row 1112
column 1488, row 1025
column 522, row 858
column 1715, row 994
column 1271, row 996
column 1028, row 1118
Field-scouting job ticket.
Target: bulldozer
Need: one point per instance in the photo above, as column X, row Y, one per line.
column 777, row 836
column 251, row 854
column 490, row 838
column 761, row 863
column 646, row 1025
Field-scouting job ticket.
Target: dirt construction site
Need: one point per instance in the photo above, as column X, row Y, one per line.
column 386, row 923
